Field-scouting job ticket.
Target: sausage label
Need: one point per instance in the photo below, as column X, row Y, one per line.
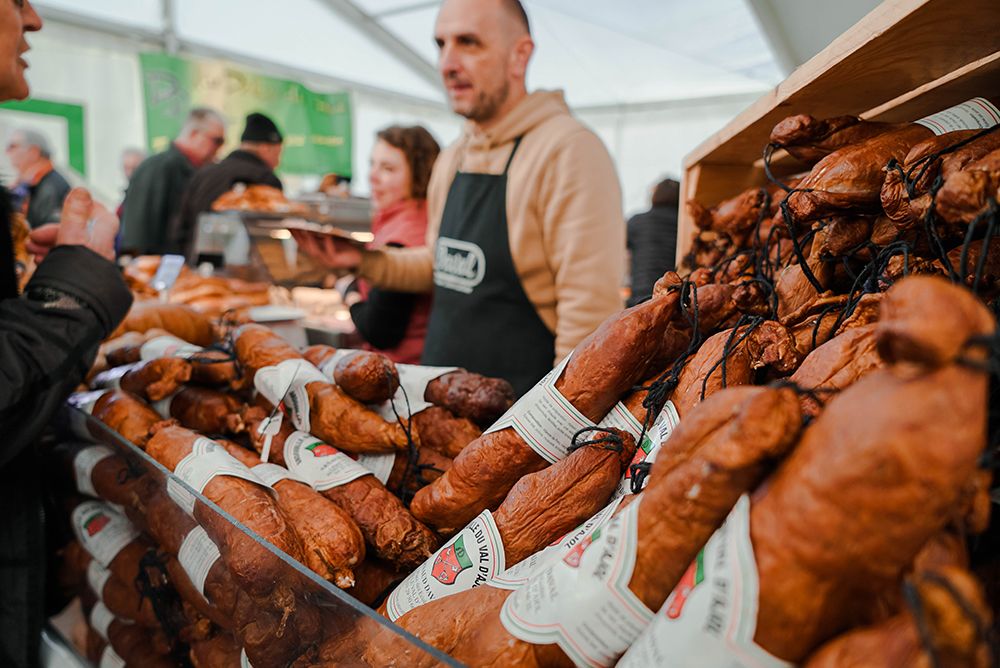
column 582, row 602
column 168, row 346
column 97, row 577
column 102, row 531
column 711, row 616
column 650, row 446
column 320, row 465
column 975, row 114
column 520, row 573
column 197, row 556
column 544, row 418
column 83, row 467
column 409, row 398
column 472, row 558
column 207, row 460
column 85, row 402
column 285, row 384
column 100, row 619
column 110, row 659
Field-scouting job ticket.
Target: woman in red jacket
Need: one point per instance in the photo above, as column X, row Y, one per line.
column 395, row 323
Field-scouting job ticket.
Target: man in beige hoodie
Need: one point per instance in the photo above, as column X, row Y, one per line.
column 525, row 236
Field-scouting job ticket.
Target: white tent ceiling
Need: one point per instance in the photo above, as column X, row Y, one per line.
column 653, row 78
column 603, row 54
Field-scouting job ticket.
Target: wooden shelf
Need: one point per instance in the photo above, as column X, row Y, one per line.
column 904, row 60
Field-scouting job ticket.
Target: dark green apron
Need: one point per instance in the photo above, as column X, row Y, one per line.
column 481, row 319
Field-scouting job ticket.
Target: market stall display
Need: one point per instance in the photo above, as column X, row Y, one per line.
column 779, row 459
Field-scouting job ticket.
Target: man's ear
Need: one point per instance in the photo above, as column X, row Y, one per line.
column 520, row 55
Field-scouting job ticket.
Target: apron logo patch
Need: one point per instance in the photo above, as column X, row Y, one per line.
column 458, row 265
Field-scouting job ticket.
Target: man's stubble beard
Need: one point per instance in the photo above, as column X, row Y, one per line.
column 486, row 107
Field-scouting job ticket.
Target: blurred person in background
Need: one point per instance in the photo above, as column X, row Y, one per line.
column 652, row 240
column 335, row 185
column 40, row 189
column 395, row 323
column 253, row 163
column 153, row 198
column 131, row 159
column 525, row 244
column 48, row 341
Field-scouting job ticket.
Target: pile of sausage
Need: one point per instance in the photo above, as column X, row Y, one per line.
column 781, row 458
column 192, row 408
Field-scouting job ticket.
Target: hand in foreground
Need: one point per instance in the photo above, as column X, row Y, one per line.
column 329, row 251
column 84, row 222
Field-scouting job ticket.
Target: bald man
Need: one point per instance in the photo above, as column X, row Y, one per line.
column 525, row 236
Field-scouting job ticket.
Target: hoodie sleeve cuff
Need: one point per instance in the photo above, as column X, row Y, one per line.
column 90, row 279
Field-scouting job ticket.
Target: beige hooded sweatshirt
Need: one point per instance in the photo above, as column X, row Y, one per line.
column 564, row 213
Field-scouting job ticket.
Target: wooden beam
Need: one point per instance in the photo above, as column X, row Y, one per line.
column 898, row 47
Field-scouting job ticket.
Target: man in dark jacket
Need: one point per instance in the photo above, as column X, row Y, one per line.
column 253, row 163
column 652, row 240
column 40, row 186
column 154, row 194
column 48, row 340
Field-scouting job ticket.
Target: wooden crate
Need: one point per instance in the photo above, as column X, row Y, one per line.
column 904, row 60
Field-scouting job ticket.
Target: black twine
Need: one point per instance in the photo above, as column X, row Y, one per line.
column 609, row 441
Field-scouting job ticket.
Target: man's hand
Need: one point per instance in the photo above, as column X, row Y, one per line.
column 84, row 222
column 327, row 250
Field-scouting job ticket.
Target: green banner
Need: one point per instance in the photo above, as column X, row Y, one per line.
column 316, row 127
column 73, row 113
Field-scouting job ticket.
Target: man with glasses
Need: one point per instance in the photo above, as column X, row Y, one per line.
column 40, row 188
column 154, row 195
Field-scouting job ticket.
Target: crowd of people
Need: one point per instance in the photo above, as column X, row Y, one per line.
column 498, row 253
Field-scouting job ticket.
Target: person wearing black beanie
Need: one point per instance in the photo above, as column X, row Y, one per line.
column 253, row 163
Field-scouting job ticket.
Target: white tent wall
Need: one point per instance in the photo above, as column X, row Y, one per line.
column 100, row 73
column 648, row 145
column 372, row 113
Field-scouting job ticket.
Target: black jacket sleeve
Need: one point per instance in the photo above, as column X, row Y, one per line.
column 382, row 319
column 45, row 351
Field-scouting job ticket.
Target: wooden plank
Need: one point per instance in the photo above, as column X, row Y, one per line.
column 900, row 46
column 981, row 78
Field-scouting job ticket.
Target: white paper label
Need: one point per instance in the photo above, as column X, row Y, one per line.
column 545, row 419
column 181, row 495
column 329, row 365
column 162, row 407
column 97, row 577
column 112, row 378
column 197, row 556
column 621, row 418
column 83, row 467
column 413, row 381
column 271, row 474
column 711, row 617
column 976, row 114
column 519, row 574
column 285, row 384
column 379, row 466
column 207, row 460
column 269, row 428
column 100, row 619
column 110, row 659
column 168, row 346
column 470, row 559
column 84, row 401
column 654, row 439
column 320, row 465
column 102, row 532
column 582, row 602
